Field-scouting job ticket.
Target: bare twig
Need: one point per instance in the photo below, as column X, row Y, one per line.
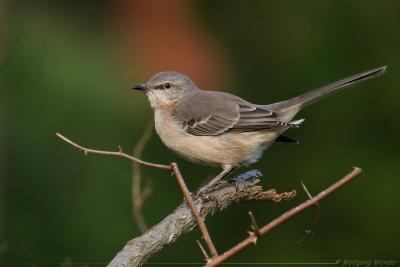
column 284, row 217
column 196, row 214
column 316, row 216
column 254, row 225
column 139, row 196
column 119, row 153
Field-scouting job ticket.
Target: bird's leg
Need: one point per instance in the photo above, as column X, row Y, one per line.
column 226, row 171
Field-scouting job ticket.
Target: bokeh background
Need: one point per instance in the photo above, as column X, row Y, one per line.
column 68, row 67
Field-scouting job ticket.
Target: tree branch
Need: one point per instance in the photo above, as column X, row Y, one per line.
column 245, row 188
column 194, row 210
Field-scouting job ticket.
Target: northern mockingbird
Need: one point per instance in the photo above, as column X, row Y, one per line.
column 221, row 129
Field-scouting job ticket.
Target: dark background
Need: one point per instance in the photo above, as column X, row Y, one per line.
column 68, row 67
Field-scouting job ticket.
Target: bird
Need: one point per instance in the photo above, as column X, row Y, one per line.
column 221, row 129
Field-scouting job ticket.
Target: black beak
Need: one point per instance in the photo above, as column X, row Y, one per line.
column 139, row 86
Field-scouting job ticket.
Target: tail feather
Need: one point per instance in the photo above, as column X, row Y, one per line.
column 297, row 123
column 317, row 94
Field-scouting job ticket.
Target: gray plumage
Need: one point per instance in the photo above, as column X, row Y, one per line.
column 319, row 93
column 215, row 113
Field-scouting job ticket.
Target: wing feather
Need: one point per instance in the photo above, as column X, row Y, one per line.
column 216, row 113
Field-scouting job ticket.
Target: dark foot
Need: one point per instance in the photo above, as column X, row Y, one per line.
column 245, row 177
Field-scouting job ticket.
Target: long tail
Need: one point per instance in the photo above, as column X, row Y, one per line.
column 317, row 94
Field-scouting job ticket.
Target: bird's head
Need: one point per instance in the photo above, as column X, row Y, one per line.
column 165, row 88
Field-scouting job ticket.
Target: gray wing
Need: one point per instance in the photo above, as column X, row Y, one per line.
column 216, row 113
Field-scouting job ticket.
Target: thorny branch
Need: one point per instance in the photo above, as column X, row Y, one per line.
column 137, row 251
column 252, row 238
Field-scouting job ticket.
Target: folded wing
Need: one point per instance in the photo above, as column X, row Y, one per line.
column 216, row 113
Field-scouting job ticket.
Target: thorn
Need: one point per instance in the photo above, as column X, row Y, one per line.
column 206, row 257
column 254, row 235
column 305, row 189
column 254, row 225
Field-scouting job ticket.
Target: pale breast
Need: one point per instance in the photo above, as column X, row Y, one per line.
column 194, row 148
column 227, row 149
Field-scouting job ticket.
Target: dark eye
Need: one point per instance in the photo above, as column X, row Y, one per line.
column 167, row 85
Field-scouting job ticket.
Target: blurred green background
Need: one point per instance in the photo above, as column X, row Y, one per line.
column 68, row 67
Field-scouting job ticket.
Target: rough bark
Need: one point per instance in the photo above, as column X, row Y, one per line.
column 239, row 189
